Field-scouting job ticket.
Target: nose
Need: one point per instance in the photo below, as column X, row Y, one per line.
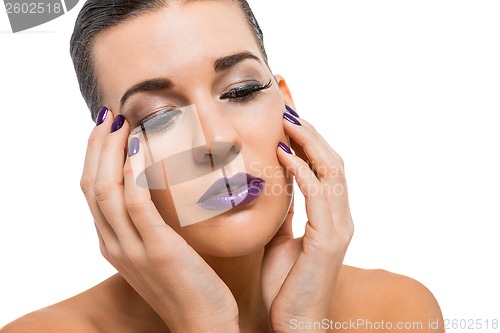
column 217, row 154
column 221, row 135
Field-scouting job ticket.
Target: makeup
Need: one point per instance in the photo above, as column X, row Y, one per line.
column 292, row 111
column 285, row 148
column 101, row 115
column 117, row 123
column 226, row 193
column 290, row 118
column 170, row 152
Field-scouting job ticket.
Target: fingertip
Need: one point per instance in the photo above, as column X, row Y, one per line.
column 101, row 116
column 118, row 123
column 287, row 158
column 134, row 146
column 135, row 163
column 284, row 147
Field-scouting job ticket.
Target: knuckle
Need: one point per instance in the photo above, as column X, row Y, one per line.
column 114, row 254
column 345, row 237
column 134, row 205
column 104, row 251
column 86, row 183
column 341, row 164
column 350, row 230
column 102, row 191
column 309, row 126
column 128, row 171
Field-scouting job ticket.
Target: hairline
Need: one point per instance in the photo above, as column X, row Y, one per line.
column 150, row 11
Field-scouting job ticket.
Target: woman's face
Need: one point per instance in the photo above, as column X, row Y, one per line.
column 207, row 57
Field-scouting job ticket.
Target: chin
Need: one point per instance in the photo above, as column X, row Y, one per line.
column 240, row 231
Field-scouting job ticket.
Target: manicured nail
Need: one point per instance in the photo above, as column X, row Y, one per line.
column 284, row 147
column 133, row 147
column 291, row 119
column 101, row 115
column 117, row 123
column 292, row 111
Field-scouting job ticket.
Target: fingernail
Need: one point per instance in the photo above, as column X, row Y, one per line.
column 285, row 147
column 292, row 111
column 133, row 147
column 291, row 119
column 117, row 123
column 101, row 115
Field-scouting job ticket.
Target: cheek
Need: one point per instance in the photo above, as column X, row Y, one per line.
column 163, row 201
column 261, row 146
column 265, row 129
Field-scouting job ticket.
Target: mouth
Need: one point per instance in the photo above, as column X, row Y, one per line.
column 226, row 193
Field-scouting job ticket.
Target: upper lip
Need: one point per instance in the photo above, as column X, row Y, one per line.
column 230, row 192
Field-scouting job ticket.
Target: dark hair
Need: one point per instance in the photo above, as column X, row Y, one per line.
column 98, row 15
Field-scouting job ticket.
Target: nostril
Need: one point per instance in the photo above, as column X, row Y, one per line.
column 235, row 149
column 201, row 154
column 218, row 154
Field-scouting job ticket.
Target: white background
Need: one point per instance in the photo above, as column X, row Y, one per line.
column 406, row 91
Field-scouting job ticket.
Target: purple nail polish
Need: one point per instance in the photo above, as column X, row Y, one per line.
column 117, row 123
column 285, row 148
column 133, row 147
column 291, row 119
column 101, row 115
column 292, row 111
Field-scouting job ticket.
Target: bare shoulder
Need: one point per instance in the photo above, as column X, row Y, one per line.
column 111, row 306
column 55, row 318
column 74, row 315
column 380, row 296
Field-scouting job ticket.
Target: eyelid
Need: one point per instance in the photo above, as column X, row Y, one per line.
column 253, row 87
column 243, row 84
column 155, row 115
column 150, row 113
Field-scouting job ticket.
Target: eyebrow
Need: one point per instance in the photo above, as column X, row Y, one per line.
column 220, row 64
column 149, row 85
column 224, row 63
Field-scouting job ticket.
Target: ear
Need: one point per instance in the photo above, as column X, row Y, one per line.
column 285, row 91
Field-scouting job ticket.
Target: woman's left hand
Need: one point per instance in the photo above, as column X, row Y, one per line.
column 299, row 275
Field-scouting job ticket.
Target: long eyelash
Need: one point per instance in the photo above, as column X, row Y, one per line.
column 247, row 92
column 159, row 122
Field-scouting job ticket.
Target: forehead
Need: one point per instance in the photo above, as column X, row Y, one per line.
column 179, row 41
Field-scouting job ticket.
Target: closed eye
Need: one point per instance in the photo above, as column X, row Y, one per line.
column 159, row 122
column 245, row 91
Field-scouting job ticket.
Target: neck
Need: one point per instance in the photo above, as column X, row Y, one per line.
column 242, row 276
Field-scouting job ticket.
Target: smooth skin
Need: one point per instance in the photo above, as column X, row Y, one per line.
column 114, row 306
column 241, row 271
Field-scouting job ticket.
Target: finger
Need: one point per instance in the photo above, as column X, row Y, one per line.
column 102, row 243
column 323, row 158
column 108, row 186
column 144, row 214
column 92, row 156
column 317, row 208
column 285, row 232
column 327, row 164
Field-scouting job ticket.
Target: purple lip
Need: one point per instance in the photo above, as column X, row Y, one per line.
column 226, row 193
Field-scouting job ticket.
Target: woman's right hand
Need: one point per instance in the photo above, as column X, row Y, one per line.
column 156, row 261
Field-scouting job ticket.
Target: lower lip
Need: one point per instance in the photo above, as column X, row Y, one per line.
column 241, row 196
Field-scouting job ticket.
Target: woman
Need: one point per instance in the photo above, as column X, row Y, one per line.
column 240, row 270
